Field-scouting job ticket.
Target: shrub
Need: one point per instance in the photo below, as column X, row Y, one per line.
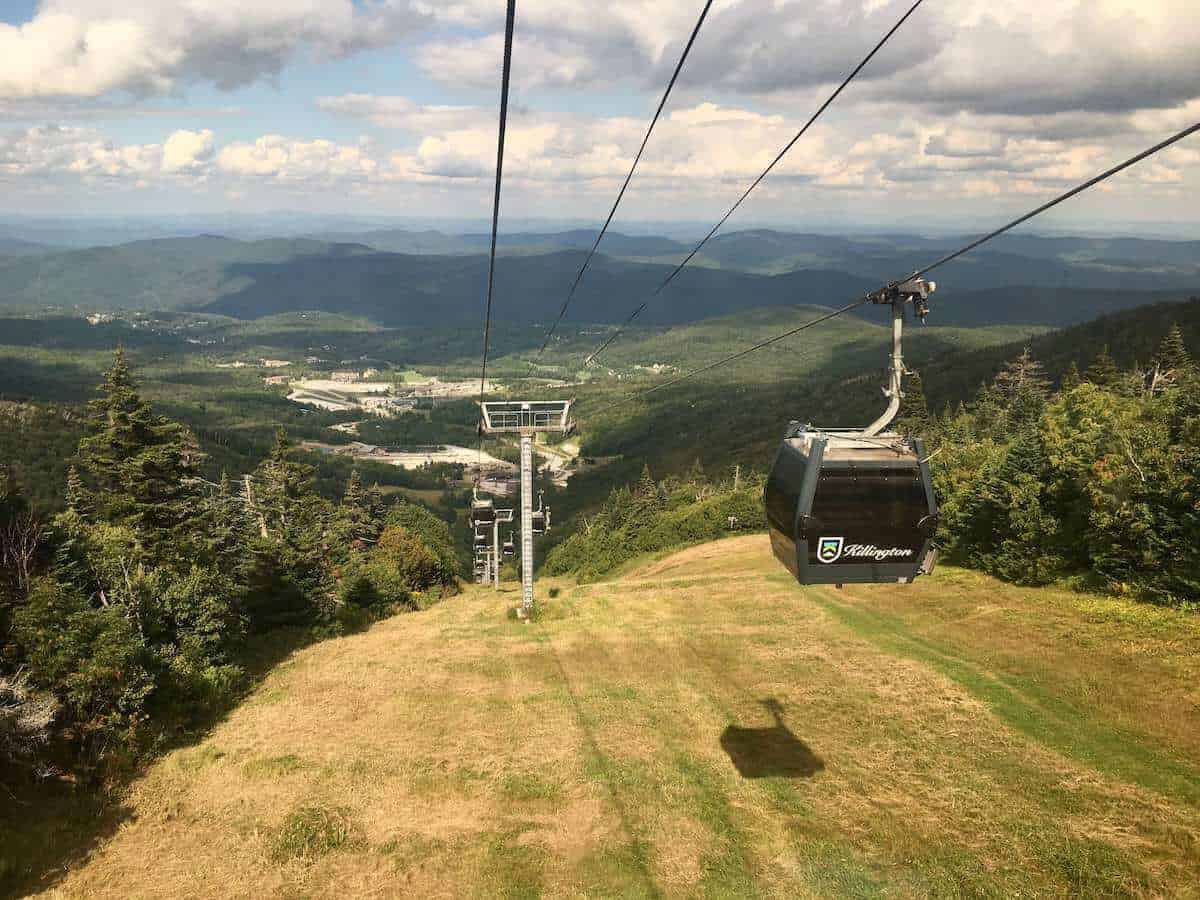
column 655, row 518
column 375, row 584
column 26, row 719
column 91, row 660
column 433, row 532
column 409, row 558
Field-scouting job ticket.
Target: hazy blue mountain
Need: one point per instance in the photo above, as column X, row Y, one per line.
column 166, row 273
column 1051, row 281
column 398, row 240
column 396, row 289
column 17, row 247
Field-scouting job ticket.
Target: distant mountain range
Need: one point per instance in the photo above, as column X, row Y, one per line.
column 17, row 247
column 440, row 278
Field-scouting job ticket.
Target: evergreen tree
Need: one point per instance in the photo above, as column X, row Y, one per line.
column 1103, row 371
column 12, row 506
column 646, row 485
column 140, row 465
column 988, row 413
column 1071, row 378
column 284, row 481
column 227, row 530
column 1173, row 359
column 290, row 575
column 376, row 508
column 354, row 497
column 915, row 419
column 77, row 495
column 354, row 523
column 1022, row 387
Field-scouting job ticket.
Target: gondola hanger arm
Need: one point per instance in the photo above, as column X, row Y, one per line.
column 898, row 295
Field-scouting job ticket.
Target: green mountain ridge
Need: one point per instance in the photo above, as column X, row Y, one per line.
column 251, row 279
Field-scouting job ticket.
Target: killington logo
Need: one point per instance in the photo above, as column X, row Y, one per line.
column 831, row 549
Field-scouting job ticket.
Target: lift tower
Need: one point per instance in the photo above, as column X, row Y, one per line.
column 526, row 418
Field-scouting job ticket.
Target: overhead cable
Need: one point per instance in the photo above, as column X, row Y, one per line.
column 1090, row 183
column 621, row 193
column 504, row 80
column 778, row 157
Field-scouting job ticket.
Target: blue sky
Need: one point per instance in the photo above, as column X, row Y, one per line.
column 390, row 105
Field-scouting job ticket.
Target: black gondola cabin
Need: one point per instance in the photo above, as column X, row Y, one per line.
column 843, row 508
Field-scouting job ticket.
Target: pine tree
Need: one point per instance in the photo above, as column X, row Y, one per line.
column 1026, row 455
column 290, row 578
column 227, row 529
column 647, row 487
column 1173, row 359
column 914, row 420
column 1022, row 387
column 1103, row 371
column 376, row 508
column 284, row 480
column 141, row 465
column 988, row 412
column 13, row 510
column 646, row 498
column 354, row 523
column 354, row 497
column 77, row 495
column 1071, row 378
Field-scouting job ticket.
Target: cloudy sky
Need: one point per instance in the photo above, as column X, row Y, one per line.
column 975, row 109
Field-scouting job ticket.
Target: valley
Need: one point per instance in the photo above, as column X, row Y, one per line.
column 977, row 693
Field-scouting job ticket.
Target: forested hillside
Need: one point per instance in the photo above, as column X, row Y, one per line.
column 1099, row 480
column 655, row 515
column 161, row 274
column 130, row 618
column 1095, row 480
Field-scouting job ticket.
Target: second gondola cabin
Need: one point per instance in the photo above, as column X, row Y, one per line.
column 844, row 508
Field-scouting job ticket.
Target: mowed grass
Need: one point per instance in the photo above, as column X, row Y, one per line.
column 701, row 727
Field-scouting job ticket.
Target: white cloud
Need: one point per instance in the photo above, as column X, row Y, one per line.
column 86, row 48
column 187, row 151
column 48, row 151
column 699, row 161
column 288, row 160
column 399, row 112
column 713, row 150
column 1027, row 58
column 538, row 64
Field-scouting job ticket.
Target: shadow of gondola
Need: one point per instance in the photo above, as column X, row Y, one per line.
column 770, row 752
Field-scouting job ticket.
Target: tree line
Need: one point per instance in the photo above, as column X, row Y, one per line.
column 1096, row 481
column 653, row 515
column 126, row 619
